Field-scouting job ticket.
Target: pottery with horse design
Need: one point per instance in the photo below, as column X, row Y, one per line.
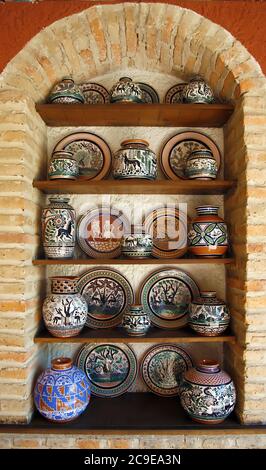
column 135, row 160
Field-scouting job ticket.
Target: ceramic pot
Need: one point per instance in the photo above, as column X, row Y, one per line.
column 197, row 91
column 202, row 165
column 136, row 322
column 135, row 160
column 63, row 166
column 62, row 392
column 208, row 315
column 137, row 243
column 207, row 393
column 66, row 92
column 126, row 91
column 58, row 228
column 64, row 310
column 208, row 233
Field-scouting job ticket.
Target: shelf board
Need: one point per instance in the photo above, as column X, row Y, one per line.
column 127, row 261
column 130, row 114
column 136, row 186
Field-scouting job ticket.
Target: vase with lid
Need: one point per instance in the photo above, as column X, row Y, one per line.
column 197, row 91
column 126, row 91
column 202, row 165
column 66, row 92
column 137, row 244
column 135, row 160
column 63, row 165
column 208, row 315
column 136, row 322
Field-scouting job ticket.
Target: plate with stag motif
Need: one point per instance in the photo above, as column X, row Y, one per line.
column 111, row 368
column 149, row 94
column 94, row 93
column 175, row 94
column 166, row 295
column 162, row 368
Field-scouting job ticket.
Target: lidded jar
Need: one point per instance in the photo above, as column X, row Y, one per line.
column 62, row 392
column 137, row 244
column 126, row 91
column 208, row 315
column 64, row 310
column 66, row 92
column 135, row 160
column 197, row 91
column 136, row 322
column 201, row 164
column 63, row 166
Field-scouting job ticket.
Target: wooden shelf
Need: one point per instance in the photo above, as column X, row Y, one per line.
column 113, row 261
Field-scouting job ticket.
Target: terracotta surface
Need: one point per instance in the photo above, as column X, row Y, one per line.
column 21, row 21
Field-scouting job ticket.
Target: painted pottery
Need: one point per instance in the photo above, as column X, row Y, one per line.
column 135, row 160
column 175, row 94
column 136, row 244
column 136, row 322
column 63, row 166
column 111, row 368
column 66, row 92
column 62, row 392
column 94, row 93
column 202, row 165
column 198, row 91
column 64, row 310
column 58, row 228
column 208, row 394
column 126, row 91
column 149, row 94
column 208, row 315
column 208, row 235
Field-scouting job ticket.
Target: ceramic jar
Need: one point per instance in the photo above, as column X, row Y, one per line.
column 136, row 244
column 207, row 393
column 202, row 165
column 64, row 310
column 62, row 392
column 135, row 160
column 126, row 91
column 58, row 228
column 63, row 166
column 136, row 322
column 208, row 235
column 197, row 91
column 66, row 92
column 208, row 315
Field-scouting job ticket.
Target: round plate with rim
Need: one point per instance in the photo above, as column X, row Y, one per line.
column 166, row 295
column 108, row 295
column 168, row 228
column 94, row 93
column 162, row 368
column 149, row 94
column 175, row 94
column 91, row 152
column 177, row 150
column 100, row 230
column 111, row 368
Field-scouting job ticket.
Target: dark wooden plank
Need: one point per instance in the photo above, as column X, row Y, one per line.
column 149, row 261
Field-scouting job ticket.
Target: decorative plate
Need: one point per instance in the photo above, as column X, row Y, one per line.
column 100, row 230
column 166, row 295
column 108, row 295
column 149, row 94
column 162, row 368
column 175, row 94
column 111, row 368
column 92, row 153
column 177, row 150
column 168, row 228
column 94, row 93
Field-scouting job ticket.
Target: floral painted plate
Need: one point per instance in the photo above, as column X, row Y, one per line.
column 108, row 295
column 92, row 153
column 162, row 369
column 175, row 94
column 111, row 368
column 166, row 295
column 177, row 150
column 94, row 93
column 100, row 230
column 149, row 94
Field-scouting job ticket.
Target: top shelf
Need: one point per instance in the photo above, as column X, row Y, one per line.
column 129, row 114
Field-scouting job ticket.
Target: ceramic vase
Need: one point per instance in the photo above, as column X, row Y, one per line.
column 208, row 235
column 137, row 244
column 208, row 315
column 197, row 91
column 207, row 393
column 134, row 160
column 64, row 310
column 62, row 392
column 126, row 91
column 66, row 92
column 58, row 228
column 63, row 166
column 136, row 322
column 202, row 165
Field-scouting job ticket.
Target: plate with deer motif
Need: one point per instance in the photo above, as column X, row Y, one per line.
column 111, row 368
column 108, row 295
column 166, row 295
column 162, row 368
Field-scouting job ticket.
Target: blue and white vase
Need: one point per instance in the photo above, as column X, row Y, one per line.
column 208, row 315
column 136, row 322
column 66, row 92
column 126, row 91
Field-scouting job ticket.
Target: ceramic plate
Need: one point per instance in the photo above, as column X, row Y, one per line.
column 149, row 94
column 168, row 228
column 166, row 295
column 92, row 153
column 94, row 93
column 177, row 150
column 162, row 369
column 108, row 295
column 110, row 368
column 175, row 94
column 100, row 230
